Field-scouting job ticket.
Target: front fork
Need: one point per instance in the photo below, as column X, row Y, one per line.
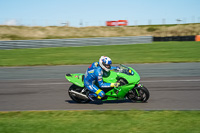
column 136, row 87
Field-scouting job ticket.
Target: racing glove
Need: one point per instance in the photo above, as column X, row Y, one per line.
column 119, row 69
column 114, row 85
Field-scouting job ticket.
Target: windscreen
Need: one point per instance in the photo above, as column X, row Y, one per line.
column 124, row 69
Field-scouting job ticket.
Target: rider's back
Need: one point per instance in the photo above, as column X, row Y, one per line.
column 93, row 72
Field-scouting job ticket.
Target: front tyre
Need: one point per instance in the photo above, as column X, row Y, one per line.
column 138, row 94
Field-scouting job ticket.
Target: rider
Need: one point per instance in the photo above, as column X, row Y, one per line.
column 94, row 75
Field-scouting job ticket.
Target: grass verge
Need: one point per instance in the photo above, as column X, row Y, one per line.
column 100, row 121
column 157, row 52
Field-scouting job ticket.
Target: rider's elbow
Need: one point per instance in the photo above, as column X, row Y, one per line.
column 101, row 85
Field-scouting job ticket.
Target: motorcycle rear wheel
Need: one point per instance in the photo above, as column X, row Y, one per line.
column 73, row 97
column 142, row 95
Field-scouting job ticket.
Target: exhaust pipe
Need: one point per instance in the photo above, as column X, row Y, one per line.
column 79, row 95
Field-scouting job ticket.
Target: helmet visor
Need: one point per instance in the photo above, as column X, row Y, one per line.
column 108, row 66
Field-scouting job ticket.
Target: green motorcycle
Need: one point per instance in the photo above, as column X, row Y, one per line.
column 128, row 78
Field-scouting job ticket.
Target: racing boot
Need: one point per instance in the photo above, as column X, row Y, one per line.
column 95, row 97
column 92, row 96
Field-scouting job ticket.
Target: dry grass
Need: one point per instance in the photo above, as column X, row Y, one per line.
column 55, row 32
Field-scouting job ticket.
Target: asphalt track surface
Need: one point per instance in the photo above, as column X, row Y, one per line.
column 172, row 86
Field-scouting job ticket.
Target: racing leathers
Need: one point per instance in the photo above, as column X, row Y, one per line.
column 94, row 75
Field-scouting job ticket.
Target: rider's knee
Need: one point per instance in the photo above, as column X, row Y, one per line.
column 101, row 94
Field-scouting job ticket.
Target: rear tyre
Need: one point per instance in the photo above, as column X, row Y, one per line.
column 73, row 97
column 142, row 95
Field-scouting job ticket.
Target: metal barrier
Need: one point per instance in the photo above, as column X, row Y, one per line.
column 175, row 38
column 20, row 44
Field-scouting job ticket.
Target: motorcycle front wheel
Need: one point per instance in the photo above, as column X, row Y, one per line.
column 139, row 94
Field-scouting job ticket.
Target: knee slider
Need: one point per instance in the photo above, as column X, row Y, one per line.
column 100, row 93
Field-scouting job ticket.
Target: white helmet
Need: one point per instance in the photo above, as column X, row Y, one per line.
column 105, row 63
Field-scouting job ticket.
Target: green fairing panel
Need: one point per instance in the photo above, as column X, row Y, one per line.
column 76, row 79
column 111, row 77
column 133, row 79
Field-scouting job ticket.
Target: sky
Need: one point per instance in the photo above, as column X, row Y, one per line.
column 81, row 13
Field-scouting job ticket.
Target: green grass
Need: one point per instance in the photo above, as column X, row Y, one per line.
column 157, row 52
column 100, row 122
